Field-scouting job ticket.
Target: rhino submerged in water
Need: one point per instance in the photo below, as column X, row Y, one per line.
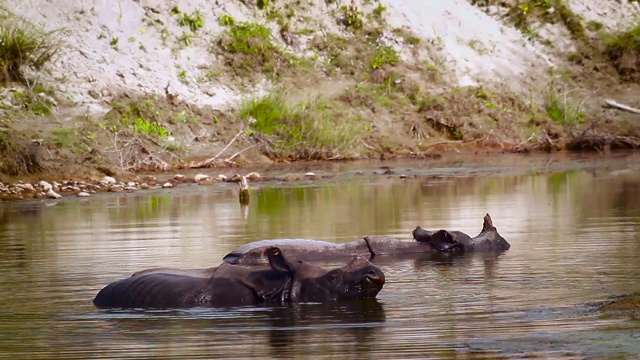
column 284, row 280
column 441, row 241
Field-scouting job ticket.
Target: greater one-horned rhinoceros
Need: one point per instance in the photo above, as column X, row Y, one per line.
column 371, row 246
column 284, row 280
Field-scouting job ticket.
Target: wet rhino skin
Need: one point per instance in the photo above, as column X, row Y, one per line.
column 283, row 280
column 441, row 241
column 488, row 240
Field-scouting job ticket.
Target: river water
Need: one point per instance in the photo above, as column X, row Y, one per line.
column 573, row 224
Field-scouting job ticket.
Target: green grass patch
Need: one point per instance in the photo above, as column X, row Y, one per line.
column 384, row 55
column 524, row 13
column 310, row 130
column 194, row 21
column 227, row 20
column 39, row 100
column 68, row 139
column 351, row 17
column 143, row 126
column 24, row 45
column 561, row 109
column 139, row 116
column 248, row 49
column 623, row 49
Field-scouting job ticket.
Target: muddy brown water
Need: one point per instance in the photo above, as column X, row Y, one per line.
column 573, row 223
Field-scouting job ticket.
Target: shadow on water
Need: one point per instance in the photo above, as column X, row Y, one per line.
column 280, row 332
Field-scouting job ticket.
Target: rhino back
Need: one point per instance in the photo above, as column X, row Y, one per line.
column 201, row 273
column 301, row 249
column 152, row 291
column 385, row 245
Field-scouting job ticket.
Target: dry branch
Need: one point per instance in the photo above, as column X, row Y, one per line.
column 213, row 160
column 619, row 106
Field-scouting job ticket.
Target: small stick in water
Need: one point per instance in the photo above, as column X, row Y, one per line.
column 244, row 191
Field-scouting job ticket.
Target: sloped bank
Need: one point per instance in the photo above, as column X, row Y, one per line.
column 197, row 84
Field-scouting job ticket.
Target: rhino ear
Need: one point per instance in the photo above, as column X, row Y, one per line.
column 487, row 225
column 421, row 235
column 281, row 262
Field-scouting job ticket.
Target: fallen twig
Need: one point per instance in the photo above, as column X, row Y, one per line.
column 447, row 142
column 209, row 161
column 619, row 106
column 229, row 144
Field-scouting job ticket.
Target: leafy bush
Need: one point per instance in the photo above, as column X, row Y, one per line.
column 305, row 131
column 624, row 51
column 351, row 17
column 551, row 11
column 141, row 117
column 248, row 38
column 384, row 55
column 23, row 45
column 144, row 126
column 194, row 21
column 249, row 50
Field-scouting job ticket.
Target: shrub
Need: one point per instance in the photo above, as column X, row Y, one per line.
column 141, row 117
column 23, row 45
column 562, row 109
column 249, row 49
column 305, row 131
column 193, row 21
column 18, row 155
column 551, row 11
column 624, row 51
column 384, row 55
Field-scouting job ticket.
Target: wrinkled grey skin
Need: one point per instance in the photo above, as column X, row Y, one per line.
column 284, row 280
column 441, row 241
column 454, row 241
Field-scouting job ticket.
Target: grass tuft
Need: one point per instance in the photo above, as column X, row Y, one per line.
column 23, row 45
column 624, row 51
column 248, row 49
column 306, row 131
column 561, row 109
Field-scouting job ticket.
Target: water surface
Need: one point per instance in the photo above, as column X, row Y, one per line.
column 573, row 226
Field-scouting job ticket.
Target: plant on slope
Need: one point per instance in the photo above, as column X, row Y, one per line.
column 23, row 45
column 306, row 131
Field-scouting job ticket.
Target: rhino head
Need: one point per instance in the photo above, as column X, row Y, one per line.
column 310, row 283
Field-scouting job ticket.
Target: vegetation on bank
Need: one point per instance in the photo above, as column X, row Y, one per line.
column 309, row 130
column 393, row 98
column 624, row 51
column 23, row 45
column 524, row 13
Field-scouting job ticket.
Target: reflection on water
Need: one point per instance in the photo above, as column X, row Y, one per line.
column 573, row 230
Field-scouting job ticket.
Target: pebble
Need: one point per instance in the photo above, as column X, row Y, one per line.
column 107, row 180
column 201, row 177
column 53, row 195
column 116, row 188
column 252, row 176
column 45, row 186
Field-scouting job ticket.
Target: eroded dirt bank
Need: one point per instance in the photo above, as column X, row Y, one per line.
column 139, row 86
